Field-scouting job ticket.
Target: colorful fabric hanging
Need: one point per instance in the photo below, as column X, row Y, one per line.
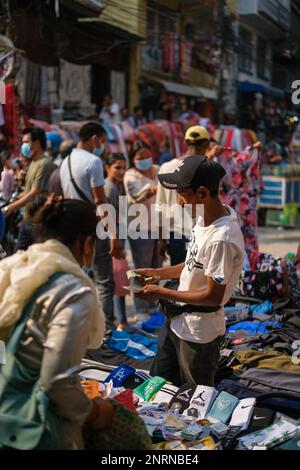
column 240, row 189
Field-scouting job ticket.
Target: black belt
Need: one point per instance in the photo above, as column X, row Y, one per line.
column 171, row 309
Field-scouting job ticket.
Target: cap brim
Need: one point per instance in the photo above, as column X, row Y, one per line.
column 171, row 181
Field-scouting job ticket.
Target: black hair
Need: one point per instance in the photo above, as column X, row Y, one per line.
column 35, row 204
column 115, row 157
column 213, row 189
column 37, row 134
column 137, row 146
column 67, row 221
column 91, row 128
column 5, row 155
column 137, row 108
column 196, row 143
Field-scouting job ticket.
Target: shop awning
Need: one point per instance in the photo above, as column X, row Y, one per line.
column 180, row 88
column 251, row 87
column 208, row 93
column 257, row 88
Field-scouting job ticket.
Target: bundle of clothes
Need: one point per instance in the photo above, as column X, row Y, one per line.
column 237, row 413
column 255, row 403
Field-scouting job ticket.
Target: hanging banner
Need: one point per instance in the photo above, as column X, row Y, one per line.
column 166, row 53
column 7, row 57
column 186, row 50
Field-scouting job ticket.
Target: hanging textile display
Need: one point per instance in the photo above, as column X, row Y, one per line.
column 240, row 190
column 186, row 50
column 165, row 53
column 172, row 51
column 75, row 85
column 176, row 53
column 12, row 118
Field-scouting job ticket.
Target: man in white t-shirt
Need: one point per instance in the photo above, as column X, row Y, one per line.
column 197, row 142
column 110, row 112
column 81, row 175
column 189, row 343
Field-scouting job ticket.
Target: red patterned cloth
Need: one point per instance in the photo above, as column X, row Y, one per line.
column 12, row 118
column 240, row 189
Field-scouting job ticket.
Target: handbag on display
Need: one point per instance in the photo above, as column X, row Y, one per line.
column 120, row 267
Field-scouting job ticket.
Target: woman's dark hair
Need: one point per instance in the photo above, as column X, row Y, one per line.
column 67, row 221
column 137, row 146
column 115, row 157
column 35, row 204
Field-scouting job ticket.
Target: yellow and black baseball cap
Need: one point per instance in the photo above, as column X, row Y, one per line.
column 196, row 133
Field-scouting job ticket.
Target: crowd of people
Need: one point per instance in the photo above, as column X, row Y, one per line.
column 52, row 310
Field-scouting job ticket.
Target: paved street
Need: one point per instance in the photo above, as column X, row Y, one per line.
column 278, row 242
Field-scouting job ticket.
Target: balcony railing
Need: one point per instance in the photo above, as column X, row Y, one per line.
column 277, row 10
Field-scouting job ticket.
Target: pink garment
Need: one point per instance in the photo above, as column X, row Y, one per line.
column 7, row 183
column 240, row 189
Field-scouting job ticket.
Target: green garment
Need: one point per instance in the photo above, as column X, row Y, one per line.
column 269, row 359
column 38, row 176
column 147, row 389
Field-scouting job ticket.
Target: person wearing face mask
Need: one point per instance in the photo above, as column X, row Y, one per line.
column 114, row 188
column 82, row 178
column 140, row 185
column 60, row 317
column 37, row 178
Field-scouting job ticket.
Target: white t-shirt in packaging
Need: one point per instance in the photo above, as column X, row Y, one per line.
column 87, row 170
column 216, row 251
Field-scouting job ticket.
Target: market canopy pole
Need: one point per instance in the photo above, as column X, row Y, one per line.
column 221, row 45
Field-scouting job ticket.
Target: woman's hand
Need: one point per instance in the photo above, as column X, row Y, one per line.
column 101, row 414
column 152, row 191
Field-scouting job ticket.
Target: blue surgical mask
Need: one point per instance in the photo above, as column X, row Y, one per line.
column 143, row 165
column 98, row 150
column 26, row 150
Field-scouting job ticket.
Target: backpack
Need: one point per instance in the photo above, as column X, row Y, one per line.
column 27, row 418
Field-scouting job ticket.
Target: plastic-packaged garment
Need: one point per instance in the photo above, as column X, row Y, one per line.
column 133, row 344
column 254, row 327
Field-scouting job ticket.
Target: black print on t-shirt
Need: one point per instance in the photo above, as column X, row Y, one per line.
column 191, row 262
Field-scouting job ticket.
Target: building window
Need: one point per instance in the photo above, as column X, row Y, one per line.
column 158, row 23
column 262, row 51
column 156, row 54
column 246, row 51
